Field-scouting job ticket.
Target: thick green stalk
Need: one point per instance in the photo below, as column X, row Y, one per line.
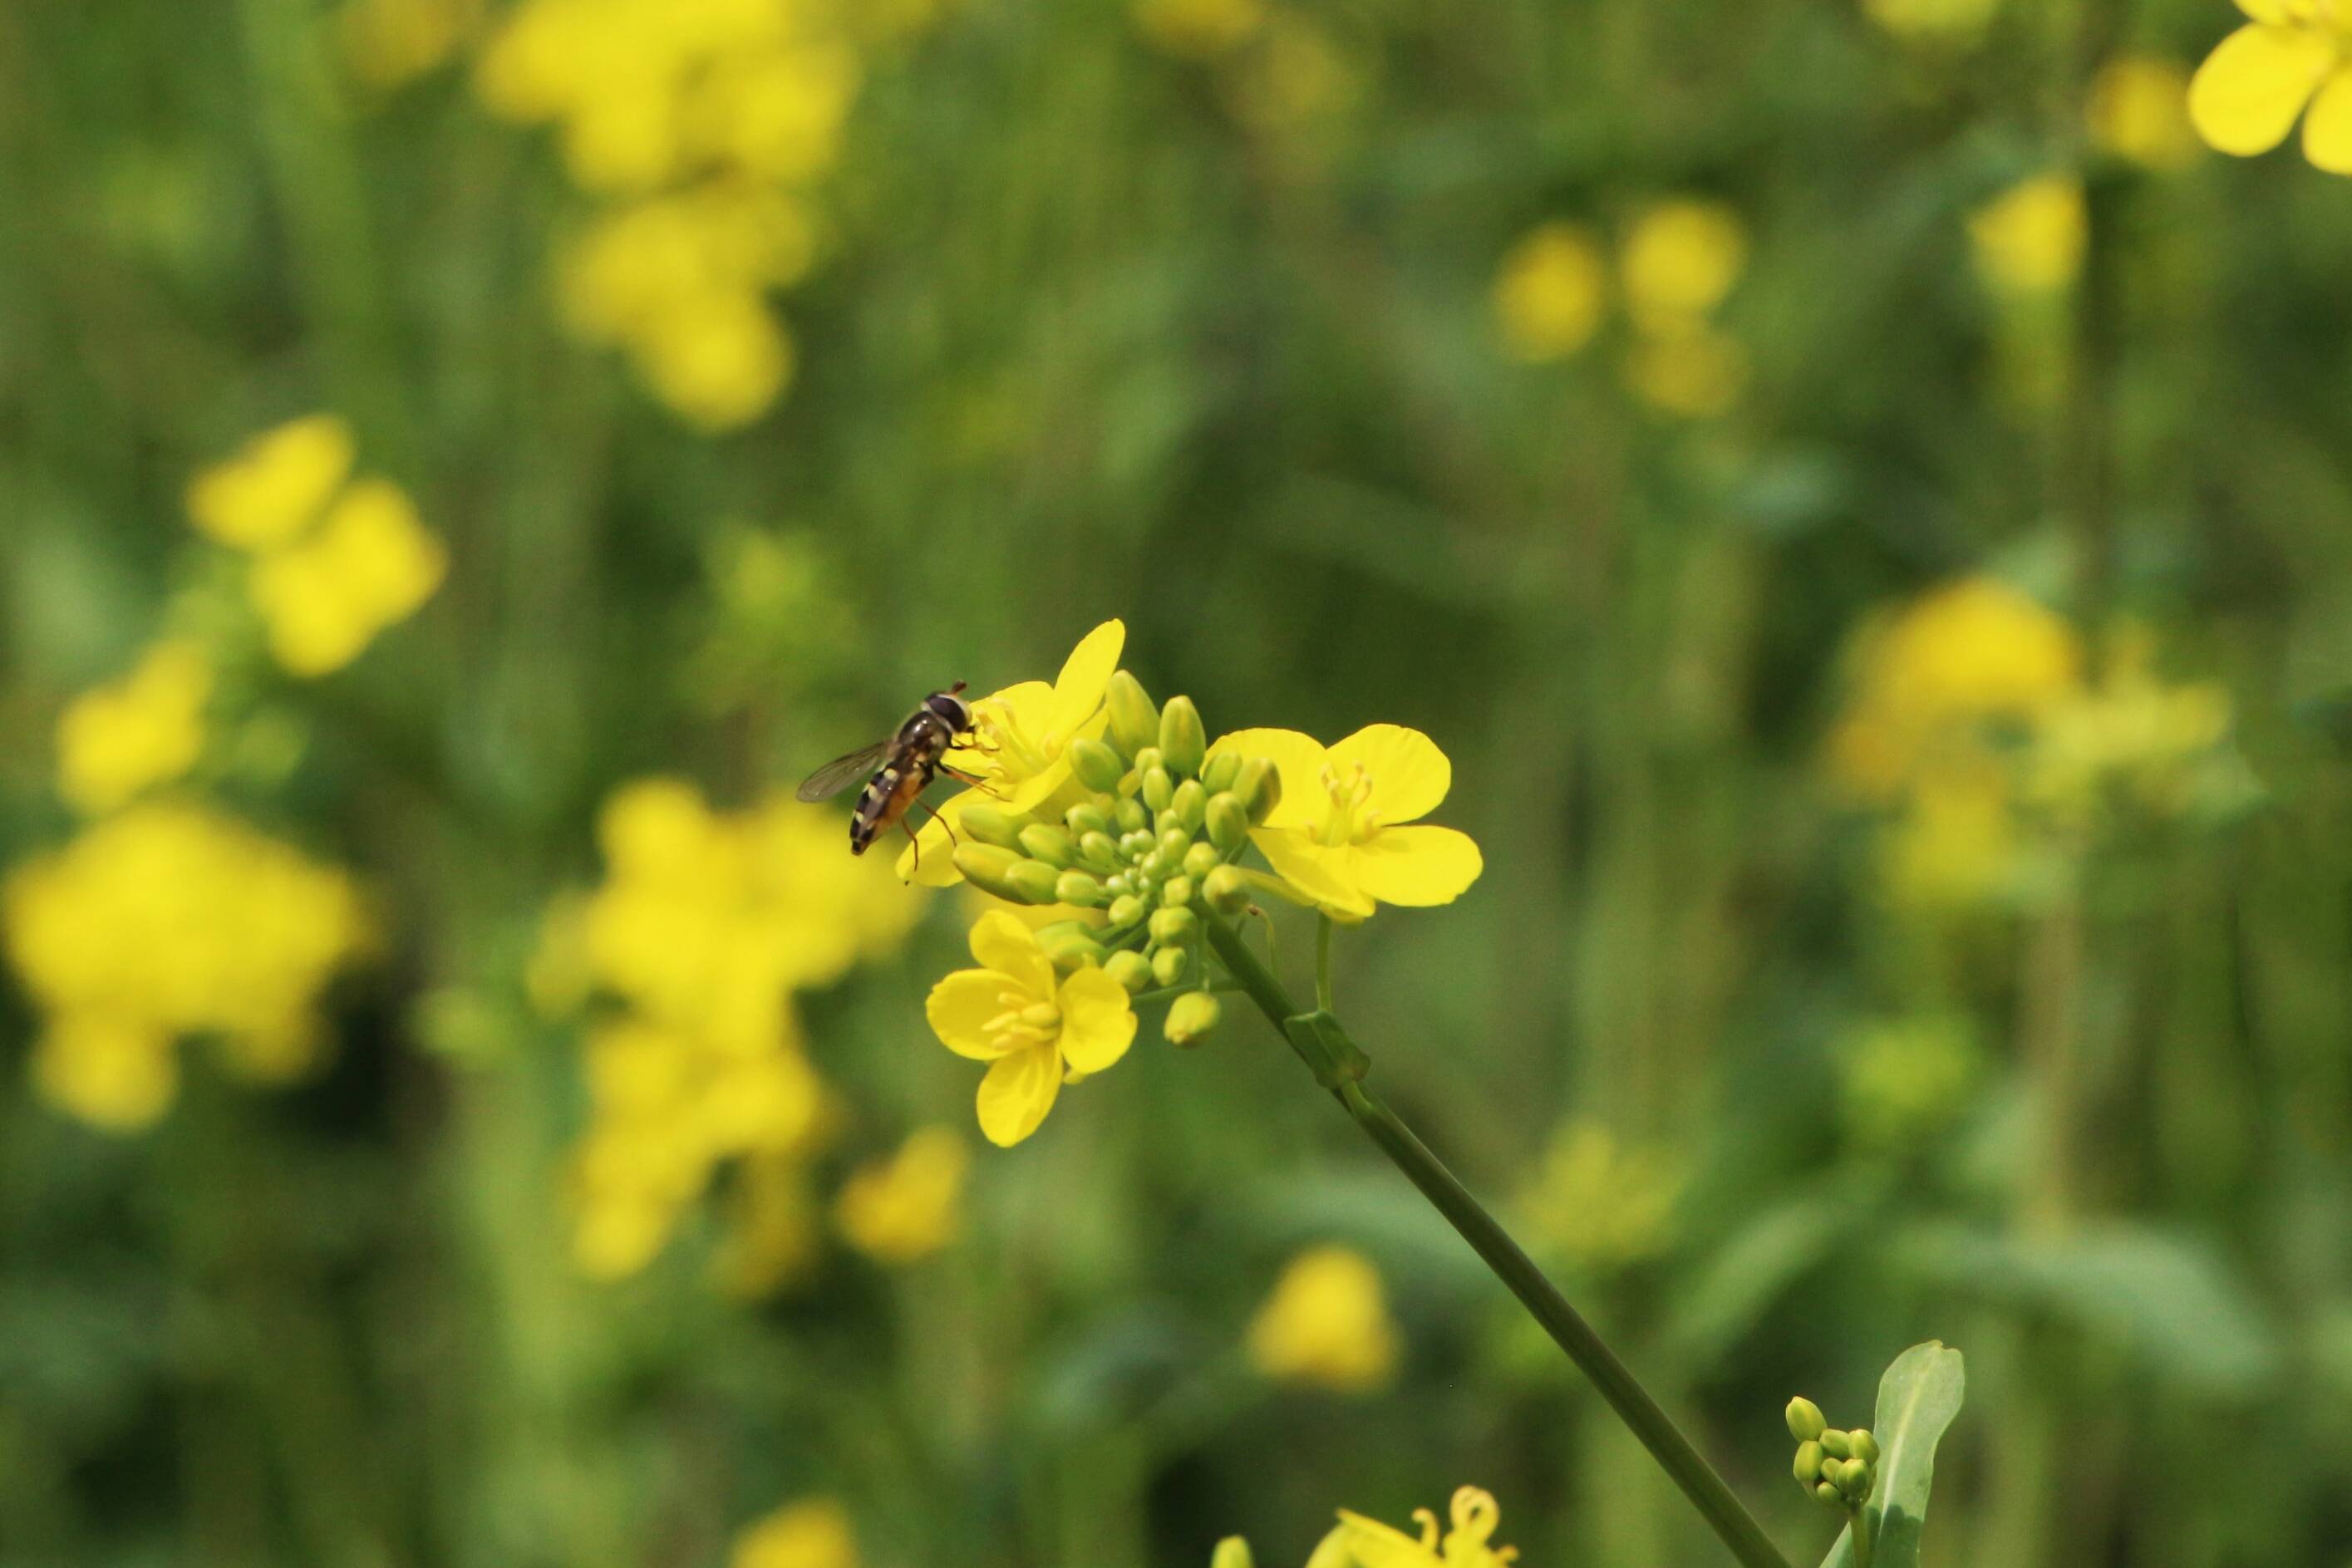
column 1650, row 1423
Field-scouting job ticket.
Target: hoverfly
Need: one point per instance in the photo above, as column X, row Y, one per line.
column 897, row 770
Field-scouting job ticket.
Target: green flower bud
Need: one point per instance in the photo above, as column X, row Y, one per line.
column 1259, row 787
column 1836, row 1443
column 1166, row 822
column 1070, row 945
column 992, row 824
column 1183, row 745
column 1084, row 817
column 1175, row 844
column 1146, row 759
column 1132, row 970
column 1173, row 924
column 1100, row 850
column 1805, row 1422
column 1134, row 722
column 1866, row 1446
column 1217, row 772
column 1158, row 788
column 1134, row 846
column 1154, row 865
column 1096, row 765
column 1176, row 893
column 1191, row 1016
column 1829, row 1494
column 1199, row 860
column 1808, row 1464
column 1048, row 843
column 1126, row 910
column 1233, row 1551
column 1228, row 821
column 990, row 869
column 1129, row 815
column 1076, row 887
column 1033, row 881
column 1226, row 889
column 1854, row 1480
column 1168, row 964
column 1191, row 804
column 1122, row 885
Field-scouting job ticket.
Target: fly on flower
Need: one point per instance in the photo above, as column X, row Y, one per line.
column 896, row 770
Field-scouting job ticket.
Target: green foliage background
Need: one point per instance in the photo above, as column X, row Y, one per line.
column 1090, row 344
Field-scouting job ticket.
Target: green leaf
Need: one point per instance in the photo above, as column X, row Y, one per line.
column 1916, row 1400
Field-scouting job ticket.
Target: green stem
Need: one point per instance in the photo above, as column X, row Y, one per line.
column 1322, row 961
column 1864, row 1537
column 1648, row 1421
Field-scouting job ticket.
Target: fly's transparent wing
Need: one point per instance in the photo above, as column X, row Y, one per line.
column 843, row 771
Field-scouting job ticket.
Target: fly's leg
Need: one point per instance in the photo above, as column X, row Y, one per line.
column 935, row 817
column 973, row 781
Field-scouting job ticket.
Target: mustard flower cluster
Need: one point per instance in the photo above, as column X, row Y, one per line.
column 1361, row 1542
column 701, row 128
column 705, row 927
column 1977, row 724
column 1839, row 1468
column 1677, row 261
column 1326, row 1324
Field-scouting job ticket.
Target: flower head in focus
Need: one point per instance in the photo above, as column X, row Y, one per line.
column 1360, row 1543
column 1327, row 1322
column 2289, row 56
column 1035, row 1028
column 902, row 1209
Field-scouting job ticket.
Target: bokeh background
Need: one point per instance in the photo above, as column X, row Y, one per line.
column 1862, row 496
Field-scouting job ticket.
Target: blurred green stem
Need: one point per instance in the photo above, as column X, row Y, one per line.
column 1332, row 1056
column 1323, row 961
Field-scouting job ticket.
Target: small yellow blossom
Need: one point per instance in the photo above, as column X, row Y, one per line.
column 902, row 1209
column 1326, row 1324
column 1021, row 751
column 1549, row 293
column 1360, row 1543
column 1603, row 1204
column 165, row 921
column 1198, row 29
column 2291, row 55
column 2131, row 726
column 1680, row 259
column 276, row 487
column 2138, row 112
column 1340, row 832
column 147, row 729
column 811, row 1533
column 1947, row 20
column 1036, row 1029
column 370, row 565
column 1954, row 842
column 2029, row 239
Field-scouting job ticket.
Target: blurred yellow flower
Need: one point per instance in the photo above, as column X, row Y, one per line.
column 1198, row 29
column 1338, row 833
column 1021, row 758
column 1695, row 374
column 1037, row 1029
column 1679, row 260
column 1602, row 1204
column 2130, row 726
column 165, row 921
column 2029, row 239
column 775, row 1229
column 372, row 564
column 1361, row 1542
column 902, row 1209
column 1327, row 1322
column 1901, row 1079
column 389, row 43
column 2138, row 112
column 1954, row 841
column 2290, row 55
column 1933, row 19
column 147, row 729
column 1549, row 293
column 275, row 486
column 811, row 1533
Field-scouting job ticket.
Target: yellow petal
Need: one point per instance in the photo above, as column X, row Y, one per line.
column 1078, row 689
column 1332, row 1551
column 1300, row 760
column 1415, row 866
column 1003, row 944
column 1373, row 1544
column 1098, row 1024
column 960, row 1007
column 2245, row 98
column 1315, row 870
column 1017, row 1092
column 929, row 861
column 2327, row 133
column 1409, row 775
column 2264, row 10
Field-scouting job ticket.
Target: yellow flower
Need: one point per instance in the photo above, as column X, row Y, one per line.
column 1198, row 29
column 1549, row 293
column 1338, row 832
column 1955, row 842
column 1036, row 1029
column 114, row 1074
column 369, row 566
column 147, row 729
column 2291, row 54
column 1945, row 19
column 1603, row 1204
column 1022, row 756
column 903, row 1209
column 1679, row 261
column 276, row 487
column 1698, row 373
column 2131, row 727
column 2138, row 112
column 389, row 43
column 1327, row 1322
column 811, row 1533
column 2029, row 239
column 1361, row 1542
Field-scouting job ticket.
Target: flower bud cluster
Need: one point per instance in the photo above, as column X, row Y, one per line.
column 1146, row 837
column 1838, row 1467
